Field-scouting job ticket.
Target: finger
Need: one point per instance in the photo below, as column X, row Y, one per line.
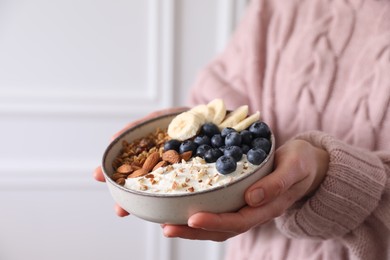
column 248, row 217
column 121, row 212
column 235, row 223
column 276, row 183
column 98, row 174
column 195, row 233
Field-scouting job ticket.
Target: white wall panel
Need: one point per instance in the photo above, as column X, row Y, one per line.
column 72, row 73
column 83, row 56
column 73, row 224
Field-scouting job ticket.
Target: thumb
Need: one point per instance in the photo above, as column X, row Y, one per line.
column 271, row 186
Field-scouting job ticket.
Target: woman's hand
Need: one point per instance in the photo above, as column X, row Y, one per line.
column 299, row 170
column 98, row 173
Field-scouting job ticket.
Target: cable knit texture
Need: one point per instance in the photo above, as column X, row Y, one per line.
column 317, row 71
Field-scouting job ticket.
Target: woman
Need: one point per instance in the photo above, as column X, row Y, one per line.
column 319, row 71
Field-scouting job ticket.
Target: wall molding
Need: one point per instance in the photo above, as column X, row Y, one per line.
column 48, row 176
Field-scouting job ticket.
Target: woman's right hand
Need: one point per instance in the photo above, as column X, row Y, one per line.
column 98, row 173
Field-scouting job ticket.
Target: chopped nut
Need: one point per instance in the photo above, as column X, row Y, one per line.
column 143, row 187
column 169, row 168
column 201, row 173
column 174, row 185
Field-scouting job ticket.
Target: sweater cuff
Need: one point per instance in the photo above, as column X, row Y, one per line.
column 350, row 192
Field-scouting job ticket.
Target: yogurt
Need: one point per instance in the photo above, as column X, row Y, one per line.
column 186, row 177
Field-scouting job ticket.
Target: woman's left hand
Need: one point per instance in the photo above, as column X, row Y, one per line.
column 299, row 170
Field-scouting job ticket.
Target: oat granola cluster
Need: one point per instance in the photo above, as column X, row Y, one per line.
column 143, row 155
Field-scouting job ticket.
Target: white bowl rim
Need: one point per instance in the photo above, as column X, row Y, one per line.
column 173, row 195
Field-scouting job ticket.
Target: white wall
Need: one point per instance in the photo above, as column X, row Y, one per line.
column 72, row 73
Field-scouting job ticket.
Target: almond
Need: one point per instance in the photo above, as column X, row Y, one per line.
column 151, row 161
column 138, row 173
column 117, row 176
column 135, row 167
column 186, row 155
column 160, row 164
column 125, row 169
column 171, row 156
column 121, row 181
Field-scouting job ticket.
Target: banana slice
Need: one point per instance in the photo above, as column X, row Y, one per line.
column 234, row 117
column 185, row 125
column 203, row 111
column 218, row 110
column 245, row 123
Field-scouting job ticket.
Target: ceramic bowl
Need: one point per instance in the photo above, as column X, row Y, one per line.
column 176, row 208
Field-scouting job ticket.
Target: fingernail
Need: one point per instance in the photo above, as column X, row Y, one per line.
column 191, row 224
column 256, row 197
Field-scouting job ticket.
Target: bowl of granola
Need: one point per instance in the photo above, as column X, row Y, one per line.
column 170, row 167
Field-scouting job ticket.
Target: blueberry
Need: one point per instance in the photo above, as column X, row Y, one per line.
column 172, row 144
column 246, row 137
column 233, row 138
column 217, row 141
column 188, row 145
column 260, row 129
column 233, row 151
column 212, row 155
column 202, row 149
column 226, row 164
column 245, row 148
column 222, row 148
column 256, row 156
column 210, row 129
column 262, row 143
column 202, row 139
column 226, row 131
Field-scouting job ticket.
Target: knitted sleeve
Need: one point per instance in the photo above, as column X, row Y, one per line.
column 353, row 198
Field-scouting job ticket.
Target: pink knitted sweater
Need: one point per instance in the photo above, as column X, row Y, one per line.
column 318, row 70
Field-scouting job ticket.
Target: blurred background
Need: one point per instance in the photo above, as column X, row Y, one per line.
column 72, row 73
